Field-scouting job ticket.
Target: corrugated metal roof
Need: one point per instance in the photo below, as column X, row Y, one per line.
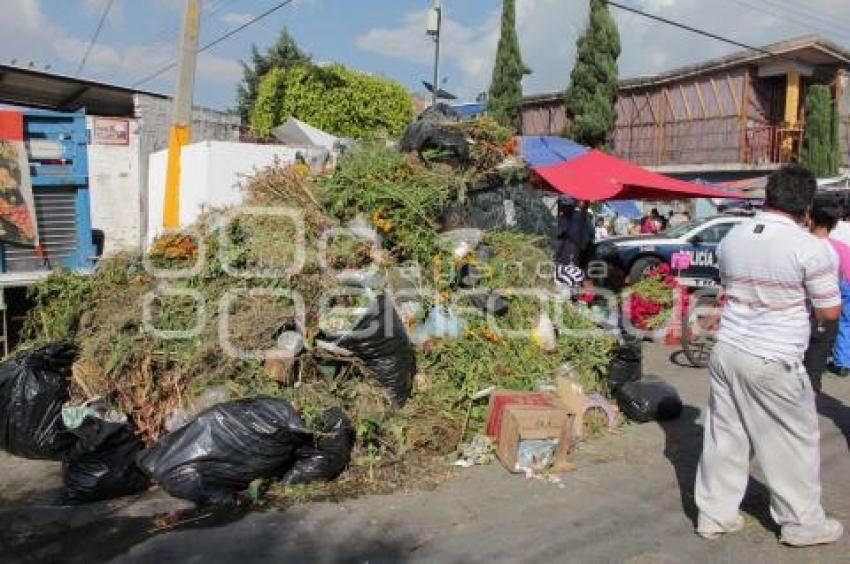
column 36, row 88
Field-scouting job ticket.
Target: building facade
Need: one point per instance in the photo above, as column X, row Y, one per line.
column 731, row 117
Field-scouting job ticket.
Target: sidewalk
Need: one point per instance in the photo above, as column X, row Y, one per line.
column 622, row 504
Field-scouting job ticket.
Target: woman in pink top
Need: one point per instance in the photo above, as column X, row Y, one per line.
column 830, row 336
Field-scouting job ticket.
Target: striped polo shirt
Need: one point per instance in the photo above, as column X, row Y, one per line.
column 772, row 270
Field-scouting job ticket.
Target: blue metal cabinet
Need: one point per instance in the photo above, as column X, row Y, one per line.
column 57, row 145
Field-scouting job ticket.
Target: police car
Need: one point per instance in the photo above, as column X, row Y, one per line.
column 622, row 260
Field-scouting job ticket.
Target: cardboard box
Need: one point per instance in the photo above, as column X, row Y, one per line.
column 578, row 404
column 533, row 423
column 500, row 399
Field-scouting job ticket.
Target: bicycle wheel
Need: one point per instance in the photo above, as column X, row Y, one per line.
column 699, row 329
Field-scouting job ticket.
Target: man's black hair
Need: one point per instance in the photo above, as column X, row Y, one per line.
column 825, row 215
column 791, row 189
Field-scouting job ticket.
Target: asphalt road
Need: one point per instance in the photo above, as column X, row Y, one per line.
column 629, row 500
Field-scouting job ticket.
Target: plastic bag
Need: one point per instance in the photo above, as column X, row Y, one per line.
column 490, row 303
column 102, row 463
column 650, row 399
column 432, row 130
column 379, row 339
column 33, row 388
column 442, row 323
column 626, row 363
column 324, row 458
column 544, row 334
column 225, row 448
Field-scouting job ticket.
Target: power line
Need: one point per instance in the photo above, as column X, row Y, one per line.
column 217, row 40
column 172, row 33
column 789, row 17
column 699, row 31
column 95, row 36
column 828, row 23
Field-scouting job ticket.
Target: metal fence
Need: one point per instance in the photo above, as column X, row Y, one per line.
column 723, row 140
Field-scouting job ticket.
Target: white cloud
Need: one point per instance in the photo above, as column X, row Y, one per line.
column 548, row 30
column 27, row 34
column 234, row 19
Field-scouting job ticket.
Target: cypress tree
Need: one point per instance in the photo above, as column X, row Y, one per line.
column 505, row 96
column 592, row 94
column 283, row 54
column 820, row 152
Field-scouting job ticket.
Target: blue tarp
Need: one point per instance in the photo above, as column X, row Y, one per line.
column 471, row 109
column 625, row 208
column 547, row 151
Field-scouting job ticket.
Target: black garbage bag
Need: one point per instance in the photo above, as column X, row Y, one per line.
column 490, row 303
column 626, row 363
column 33, row 388
column 226, row 447
column 380, row 340
column 432, row 130
column 649, row 399
column 327, row 455
column 102, row 463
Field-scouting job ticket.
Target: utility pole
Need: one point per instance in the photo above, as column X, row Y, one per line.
column 181, row 115
column 435, row 24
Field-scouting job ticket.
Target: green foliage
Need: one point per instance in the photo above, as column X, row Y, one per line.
column 505, row 94
column 592, row 93
column 821, row 153
column 283, row 54
column 60, row 300
column 403, row 200
column 267, row 110
column 336, row 99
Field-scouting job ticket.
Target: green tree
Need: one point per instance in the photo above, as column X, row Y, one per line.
column 284, row 53
column 592, row 94
column 505, row 96
column 336, row 99
column 820, row 152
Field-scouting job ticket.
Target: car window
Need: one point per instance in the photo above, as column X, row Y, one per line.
column 679, row 230
column 715, row 233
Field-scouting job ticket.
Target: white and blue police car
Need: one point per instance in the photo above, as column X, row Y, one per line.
column 623, row 260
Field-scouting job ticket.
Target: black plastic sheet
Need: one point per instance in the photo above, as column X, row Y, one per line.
column 33, row 388
column 626, row 363
column 649, row 399
column 102, row 463
column 432, row 130
column 219, row 453
column 380, row 340
column 328, row 454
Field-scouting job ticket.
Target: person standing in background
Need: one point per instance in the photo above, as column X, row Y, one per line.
column 823, row 219
column 574, row 235
column 622, row 226
column 651, row 224
column 761, row 400
column 677, row 218
column 601, row 229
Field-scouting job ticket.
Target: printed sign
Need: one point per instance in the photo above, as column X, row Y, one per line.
column 111, row 131
column 17, row 217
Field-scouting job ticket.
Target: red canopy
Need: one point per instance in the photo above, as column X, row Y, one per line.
column 593, row 175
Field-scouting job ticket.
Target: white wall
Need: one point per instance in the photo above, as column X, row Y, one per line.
column 114, row 191
column 210, row 176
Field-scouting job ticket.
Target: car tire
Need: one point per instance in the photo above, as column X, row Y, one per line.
column 641, row 267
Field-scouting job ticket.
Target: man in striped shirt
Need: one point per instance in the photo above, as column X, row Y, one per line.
column 761, row 400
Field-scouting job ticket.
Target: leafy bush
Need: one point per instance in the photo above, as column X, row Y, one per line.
column 336, row 99
column 403, row 200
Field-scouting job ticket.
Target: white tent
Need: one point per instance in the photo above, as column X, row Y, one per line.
column 297, row 133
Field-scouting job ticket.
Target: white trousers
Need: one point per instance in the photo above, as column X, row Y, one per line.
column 766, row 408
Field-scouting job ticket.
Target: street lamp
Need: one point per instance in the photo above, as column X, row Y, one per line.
column 435, row 23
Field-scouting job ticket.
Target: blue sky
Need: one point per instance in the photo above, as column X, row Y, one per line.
column 387, row 37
